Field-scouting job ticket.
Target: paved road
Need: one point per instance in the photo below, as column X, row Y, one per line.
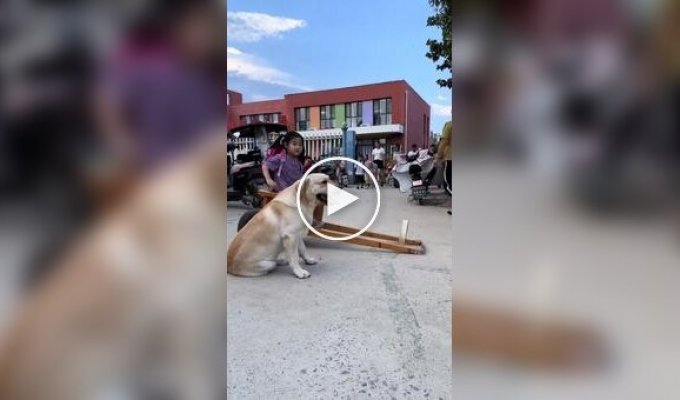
column 368, row 324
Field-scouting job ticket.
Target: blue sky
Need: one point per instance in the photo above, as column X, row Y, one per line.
column 288, row 46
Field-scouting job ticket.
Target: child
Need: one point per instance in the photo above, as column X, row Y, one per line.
column 359, row 174
column 283, row 165
column 341, row 173
column 371, row 167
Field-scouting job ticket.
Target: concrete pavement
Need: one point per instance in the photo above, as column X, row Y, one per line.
column 368, row 324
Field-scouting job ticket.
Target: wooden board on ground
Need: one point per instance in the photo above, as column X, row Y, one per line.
column 369, row 239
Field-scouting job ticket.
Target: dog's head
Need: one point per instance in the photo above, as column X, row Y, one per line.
column 316, row 187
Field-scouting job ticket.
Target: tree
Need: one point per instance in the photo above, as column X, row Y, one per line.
column 440, row 50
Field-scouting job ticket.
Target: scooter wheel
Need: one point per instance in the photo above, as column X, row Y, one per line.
column 245, row 218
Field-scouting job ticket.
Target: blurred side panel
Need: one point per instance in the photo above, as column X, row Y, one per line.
column 566, row 199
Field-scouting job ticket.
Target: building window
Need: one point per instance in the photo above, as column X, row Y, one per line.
column 271, row 117
column 382, row 112
column 353, row 114
column 301, row 118
column 327, row 116
column 228, row 98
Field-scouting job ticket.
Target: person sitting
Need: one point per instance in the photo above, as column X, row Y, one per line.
column 412, row 154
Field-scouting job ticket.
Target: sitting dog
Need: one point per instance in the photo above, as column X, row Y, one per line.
column 278, row 228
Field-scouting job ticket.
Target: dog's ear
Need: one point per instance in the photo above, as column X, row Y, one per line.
column 305, row 187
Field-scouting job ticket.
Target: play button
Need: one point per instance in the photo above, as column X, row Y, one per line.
column 338, row 199
column 336, row 206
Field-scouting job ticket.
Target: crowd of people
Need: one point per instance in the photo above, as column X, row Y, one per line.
column 286, row 162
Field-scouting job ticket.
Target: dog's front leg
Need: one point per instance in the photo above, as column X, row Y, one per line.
column 291, row 244
column 302, row 249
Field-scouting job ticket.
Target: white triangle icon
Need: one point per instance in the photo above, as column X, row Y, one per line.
column 338, row 199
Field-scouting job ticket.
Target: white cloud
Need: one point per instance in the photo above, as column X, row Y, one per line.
column 250, row 26
column 441, row 97
column 441, row 110
column 260, row 97
column 255, row 69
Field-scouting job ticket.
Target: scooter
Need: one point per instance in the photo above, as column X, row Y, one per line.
column 406, row 172
column 245, row 176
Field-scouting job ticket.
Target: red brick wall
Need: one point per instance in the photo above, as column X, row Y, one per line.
column 394, row 90
column 256, row 107
column 236, row 97
column 417, row 128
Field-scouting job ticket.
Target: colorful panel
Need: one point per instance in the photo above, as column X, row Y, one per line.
column 314, row 118
column 367, row 113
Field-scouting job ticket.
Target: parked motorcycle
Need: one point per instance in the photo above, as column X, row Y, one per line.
column 244, row 170
column 245, row 177
column 405, row 173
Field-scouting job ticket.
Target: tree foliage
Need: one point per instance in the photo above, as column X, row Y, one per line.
column 440, row 50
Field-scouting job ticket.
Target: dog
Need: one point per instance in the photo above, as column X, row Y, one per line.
column 135, row 306
column 278, row 228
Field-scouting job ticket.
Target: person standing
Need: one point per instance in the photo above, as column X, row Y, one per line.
column 359, row 174
column 432, row 151
column 445, row 155
column 378, row 156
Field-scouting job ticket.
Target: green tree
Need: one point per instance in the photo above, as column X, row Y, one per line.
column 440, row 50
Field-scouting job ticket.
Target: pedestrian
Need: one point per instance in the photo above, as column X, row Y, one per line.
column 359, row 174
column 412, row 154
column 445, row 156
column 433, row 150
column 371, row 167
column 378, row 155
column 341, row 173
column 285, row 161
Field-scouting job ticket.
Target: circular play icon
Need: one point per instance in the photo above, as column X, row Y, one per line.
column 340, row 200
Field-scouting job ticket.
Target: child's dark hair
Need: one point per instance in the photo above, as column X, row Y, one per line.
column 282, row 141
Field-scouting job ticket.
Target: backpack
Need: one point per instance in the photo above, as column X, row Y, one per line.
column 274, row 151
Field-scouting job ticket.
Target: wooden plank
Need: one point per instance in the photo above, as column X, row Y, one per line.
column 375, row 242
column 346, row 229
column 368, row 238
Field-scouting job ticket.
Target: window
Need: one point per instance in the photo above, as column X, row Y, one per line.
column 327, row 116
column 271, row 117
column 353, row 114
column 382, row 112
column 301, row 118
column 228, row 98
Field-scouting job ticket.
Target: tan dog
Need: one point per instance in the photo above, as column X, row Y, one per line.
column 278, row 228
column 130, row 305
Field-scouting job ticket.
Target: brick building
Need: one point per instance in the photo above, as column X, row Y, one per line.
column 391, row 112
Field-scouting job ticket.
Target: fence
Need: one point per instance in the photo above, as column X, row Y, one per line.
column 318, row 147
column 315, row 147
column 243, row 145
